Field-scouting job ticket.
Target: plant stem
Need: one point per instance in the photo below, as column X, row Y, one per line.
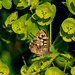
column 24, row 61
column 50, row 34
column 65, row 66
column 70, row 15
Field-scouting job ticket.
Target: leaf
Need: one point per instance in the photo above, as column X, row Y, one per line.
column 7, row 4
column 61, row 46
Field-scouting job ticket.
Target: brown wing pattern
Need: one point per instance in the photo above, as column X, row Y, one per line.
column 40, row 44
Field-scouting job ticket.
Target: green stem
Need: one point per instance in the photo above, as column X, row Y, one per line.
column 70, row 15
column 65, row 67
column 50, row 34
column 24, row 61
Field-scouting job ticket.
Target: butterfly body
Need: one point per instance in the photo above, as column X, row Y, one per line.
column 40, row 44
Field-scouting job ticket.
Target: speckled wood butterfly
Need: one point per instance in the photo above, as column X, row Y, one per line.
column 40, row 44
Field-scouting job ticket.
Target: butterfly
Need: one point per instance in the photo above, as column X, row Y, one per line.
column 40, row 44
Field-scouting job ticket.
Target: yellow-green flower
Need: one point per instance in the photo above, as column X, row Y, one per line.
column 44, row 13
column 67, row 30
column 68, row 26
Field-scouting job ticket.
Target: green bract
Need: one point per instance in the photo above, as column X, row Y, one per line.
column 22, row 4
column 23, row 26
column 45, row 13
column 67, row 30
column 34, row 4
column 19, row 27
column 54, row 71
column 71, row 6
column 23, row 70
column 61, row 61
column 73, row 70
column 7, row 4
column 33, row 69
column 4, row 69
column 10, row 19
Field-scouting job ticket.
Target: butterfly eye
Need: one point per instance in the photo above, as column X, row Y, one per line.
column 41, row 35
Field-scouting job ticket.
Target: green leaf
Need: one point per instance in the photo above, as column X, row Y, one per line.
column 61, row 46
column 7, row 4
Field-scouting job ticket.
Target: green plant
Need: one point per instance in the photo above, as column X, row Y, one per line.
column 20, row 24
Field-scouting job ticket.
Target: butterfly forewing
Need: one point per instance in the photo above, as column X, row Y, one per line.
column 40, row 44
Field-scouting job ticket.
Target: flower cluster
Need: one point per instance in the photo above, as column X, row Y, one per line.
column 67, row 30
column 44, row 13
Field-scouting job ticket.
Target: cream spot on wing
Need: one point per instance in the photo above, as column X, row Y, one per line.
column 45, row 37
column 41, row 43
column 41, row 39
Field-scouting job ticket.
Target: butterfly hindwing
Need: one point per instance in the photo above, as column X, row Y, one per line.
column 40, row 44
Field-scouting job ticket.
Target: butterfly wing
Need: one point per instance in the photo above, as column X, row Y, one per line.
column 40, row 44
